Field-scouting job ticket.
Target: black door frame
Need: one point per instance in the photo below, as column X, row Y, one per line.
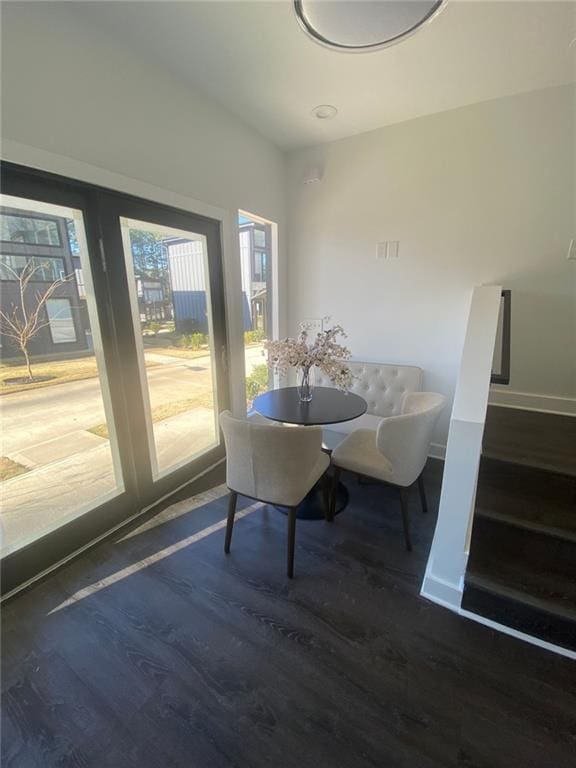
column 101, row 209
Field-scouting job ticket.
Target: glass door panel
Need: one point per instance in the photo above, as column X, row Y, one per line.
column 258, row 301
column 112, row 369
column 59, row 455
column 169, row 285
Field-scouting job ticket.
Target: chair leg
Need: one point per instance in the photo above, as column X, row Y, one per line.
column 230, row 521
column 333, row 494
column 291, row 540
column 326, row 482
column 405, row 517
column 422, row 492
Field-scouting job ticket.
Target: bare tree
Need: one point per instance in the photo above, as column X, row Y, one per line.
column 22, row 323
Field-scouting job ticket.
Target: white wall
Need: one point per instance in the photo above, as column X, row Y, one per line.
column 71, row 91
column 482, row 194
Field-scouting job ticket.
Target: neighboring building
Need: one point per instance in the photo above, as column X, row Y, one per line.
column 153, row 302
column 43, row 241
column 255, row 250
column 188, row 279
column 49, row 242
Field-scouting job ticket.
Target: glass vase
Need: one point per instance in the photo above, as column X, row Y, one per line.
column 305, row 383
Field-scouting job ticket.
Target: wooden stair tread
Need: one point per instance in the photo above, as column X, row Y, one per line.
column 517, row 572
column 560, row 524
column 542, row 440
column 535, row 462
column 527, row 496
column 560, row 609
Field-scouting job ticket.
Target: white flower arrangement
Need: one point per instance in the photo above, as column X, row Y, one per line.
column 324, row 352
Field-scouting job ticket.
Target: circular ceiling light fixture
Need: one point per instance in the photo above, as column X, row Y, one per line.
column 363, row 25
column 325, row 112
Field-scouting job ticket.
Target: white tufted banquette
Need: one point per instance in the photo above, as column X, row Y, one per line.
column 384, row 388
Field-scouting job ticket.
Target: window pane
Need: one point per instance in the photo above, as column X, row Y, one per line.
column 61, row 322
column 257, row 301
column 170, row 296
column 59, row 456
column 44, row 268
column 260, row 238
column 34, row 231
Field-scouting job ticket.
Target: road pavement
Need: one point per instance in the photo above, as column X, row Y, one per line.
column 32, row 418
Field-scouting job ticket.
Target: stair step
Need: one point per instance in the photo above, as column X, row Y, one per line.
column 526, row 523
column 546, row 441
column 522, row 564
column 528, row 560
column 520, row 610
column 536, row 498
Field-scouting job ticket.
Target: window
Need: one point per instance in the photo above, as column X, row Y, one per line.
column 61, row 321
column 80, row 282
column 260, row 238
column 153, row 294
column 259, row 273
column 86, row 481
column 29, row 230
column 46, row 268
column 257, row 254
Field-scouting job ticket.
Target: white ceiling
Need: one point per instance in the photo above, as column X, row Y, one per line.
column 254, row 58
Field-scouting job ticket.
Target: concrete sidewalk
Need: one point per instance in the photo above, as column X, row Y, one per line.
column 71, row 469
column 39, row 501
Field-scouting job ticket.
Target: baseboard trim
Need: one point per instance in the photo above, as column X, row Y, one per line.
column 532, row 402
column 441, row 592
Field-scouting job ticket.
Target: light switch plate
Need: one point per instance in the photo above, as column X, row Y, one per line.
column 388, row 249
column 572, row 250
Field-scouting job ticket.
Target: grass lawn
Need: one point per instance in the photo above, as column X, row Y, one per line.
column 166, row 410
column 61, row 370
column 9, row 468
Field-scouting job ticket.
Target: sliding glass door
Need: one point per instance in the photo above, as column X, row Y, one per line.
column 113, row 361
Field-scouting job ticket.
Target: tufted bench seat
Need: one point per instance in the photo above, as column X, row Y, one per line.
column 384, row 388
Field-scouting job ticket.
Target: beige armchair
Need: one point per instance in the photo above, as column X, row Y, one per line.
column 395, row 453
column 273, row 464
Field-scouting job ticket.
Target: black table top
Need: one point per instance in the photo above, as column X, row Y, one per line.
column 328, row 406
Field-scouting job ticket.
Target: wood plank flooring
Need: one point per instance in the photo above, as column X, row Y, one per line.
column 157, row 650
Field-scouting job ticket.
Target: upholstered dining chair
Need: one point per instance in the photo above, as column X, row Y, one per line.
column 271, row 463
column 395, row 453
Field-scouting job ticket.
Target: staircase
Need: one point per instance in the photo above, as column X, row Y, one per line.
column 522, row 564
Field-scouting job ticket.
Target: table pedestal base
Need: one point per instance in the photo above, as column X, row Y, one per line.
column 313, row 506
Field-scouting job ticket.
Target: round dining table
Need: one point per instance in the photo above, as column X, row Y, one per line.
column 328, row 406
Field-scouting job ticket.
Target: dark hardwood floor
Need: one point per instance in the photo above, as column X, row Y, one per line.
column 156, row 649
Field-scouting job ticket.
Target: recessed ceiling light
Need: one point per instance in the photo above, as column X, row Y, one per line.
column 325, row 112
column 363, row 25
